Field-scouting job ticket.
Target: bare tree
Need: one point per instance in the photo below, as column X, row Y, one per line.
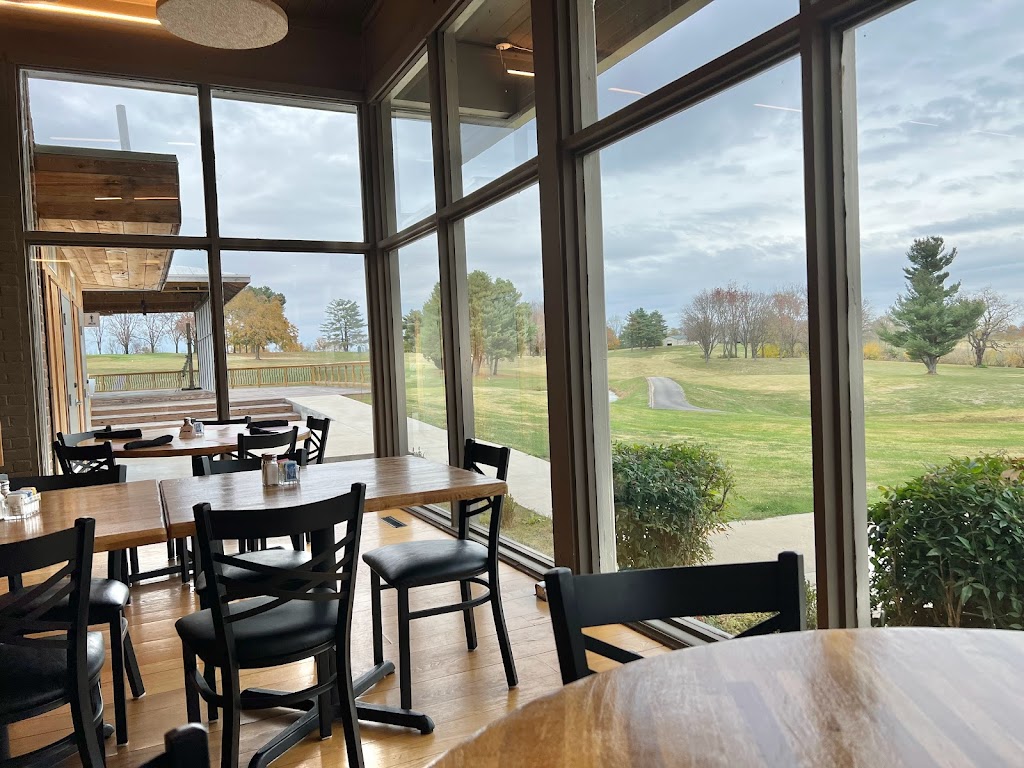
column 124, row 329
column 154, row 329
column 97, row 336
column 178, row 326
column 730, row 309
column 789, row 307
column 701, row 321
column 755, row 321
column 996, row 320
column 616, row 323
column 867, row 317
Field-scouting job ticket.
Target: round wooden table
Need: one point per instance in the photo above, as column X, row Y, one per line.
column 870, row 697
column 216, row 440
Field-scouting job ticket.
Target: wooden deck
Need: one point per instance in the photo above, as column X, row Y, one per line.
column 462, row 691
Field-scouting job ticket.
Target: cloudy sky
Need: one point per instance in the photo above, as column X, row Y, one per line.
column 712, row 195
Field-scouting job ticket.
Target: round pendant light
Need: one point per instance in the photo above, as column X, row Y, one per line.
column 235, row 24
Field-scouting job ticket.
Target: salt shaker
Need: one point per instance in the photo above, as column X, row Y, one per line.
column 271, row 474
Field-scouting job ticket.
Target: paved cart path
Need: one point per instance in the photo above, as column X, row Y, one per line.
column 665, row 394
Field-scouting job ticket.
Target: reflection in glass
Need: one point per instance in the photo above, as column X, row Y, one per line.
column 412, row 148
column 115, row 159
column 287, row 171
column 507, row 346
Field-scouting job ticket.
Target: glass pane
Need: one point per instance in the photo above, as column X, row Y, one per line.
column 506, row 327
column 412, row 148
column 427, row 418
column 645, row 44
column 939, row 154
column 497, row 126
column 295, row 326
column 287, row 171
column 708, row 375
column 115, row 159
column 123, row 343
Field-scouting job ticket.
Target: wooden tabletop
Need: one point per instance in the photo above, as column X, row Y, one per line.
column 126, row 514
column 870, row 697
column 394, row 482
column 215, row 441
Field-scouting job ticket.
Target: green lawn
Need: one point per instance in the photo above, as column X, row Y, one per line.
column 762, row 431
column 169, row 361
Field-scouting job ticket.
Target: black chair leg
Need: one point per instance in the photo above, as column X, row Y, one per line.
column 171, row 554
column 191, row 694
column 502, row 630
column 117, row 665
column 131, row 666
column 210, row 676
column 323, row 674
column 467, row 615
column 232, row 724
column 182, row 549
column 347, row 709
column 85, row 707
column 404, row 655
column 133, row 556
column 378, row 628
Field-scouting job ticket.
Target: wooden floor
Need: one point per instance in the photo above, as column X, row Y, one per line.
column 461, row 691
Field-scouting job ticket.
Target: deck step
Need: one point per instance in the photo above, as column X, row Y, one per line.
column 167, row 412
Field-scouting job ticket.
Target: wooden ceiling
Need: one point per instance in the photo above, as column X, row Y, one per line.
column 300, row 11
column 101, row 191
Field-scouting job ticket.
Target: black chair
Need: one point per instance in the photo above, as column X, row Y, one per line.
column 251, row 446
column 316, row 443
column 80, row 459
column 594, row 600
column 186, row 747
column 72, row 439
column 263, row 616
column 225, row 422
column 40, row 674
column 421, row 563
column 108, row 599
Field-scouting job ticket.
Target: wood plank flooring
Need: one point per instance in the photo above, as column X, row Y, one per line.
column 461, row 691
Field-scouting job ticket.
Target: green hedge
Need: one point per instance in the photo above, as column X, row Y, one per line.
column 669, row 499
column 948, row 547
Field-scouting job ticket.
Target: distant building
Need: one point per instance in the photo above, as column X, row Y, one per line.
column 673, row 341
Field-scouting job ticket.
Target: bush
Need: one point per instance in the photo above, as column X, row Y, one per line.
column 948, row 547
column 669, row 499
column 737, row 623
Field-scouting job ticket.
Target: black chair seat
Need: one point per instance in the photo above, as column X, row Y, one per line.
column 418, row 563
column 292, row 630
column 276, row 558
column 34, row 677
column 107, row 599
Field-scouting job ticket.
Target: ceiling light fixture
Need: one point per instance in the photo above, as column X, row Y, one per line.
column 520, row 72
column 502, row 47
column 231, row 24
column 627, row 90
column 781, row 109
column 156, row 198
column 99, row 199
column 72, row 11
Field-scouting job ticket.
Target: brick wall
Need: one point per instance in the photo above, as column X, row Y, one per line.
column 18, row 388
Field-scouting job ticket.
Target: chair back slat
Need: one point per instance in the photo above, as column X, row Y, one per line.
column 478, row 457
column 44, row 483
column 329, row 575
column 81, row 459
column 316, row 444
column 595, row 600
column 249, row 444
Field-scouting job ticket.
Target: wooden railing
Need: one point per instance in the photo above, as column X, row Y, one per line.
column 347, row 374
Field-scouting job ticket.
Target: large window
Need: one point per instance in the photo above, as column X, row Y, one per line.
column 706, row 302
column 412, row 148
column 109, row 157
column 295, row 326
column 645, row 44
column 940, row 151
column 287, row 171
column 506, row 329
column 494, row 57
column 423, row 350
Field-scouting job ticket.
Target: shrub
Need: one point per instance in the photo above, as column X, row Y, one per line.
column 737, row 623
column 669, row 499
column 948, row 547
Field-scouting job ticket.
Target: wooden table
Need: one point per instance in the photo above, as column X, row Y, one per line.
column 394, row 482
column 216, row 440
column 127, row 515
column 870, row 697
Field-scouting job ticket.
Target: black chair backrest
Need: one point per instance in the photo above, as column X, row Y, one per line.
column 23, row 613
column 72, row 439
column 594, row 600
column 328, row 576
column 80, row 459
column 478, row 456
column 250, row 446
column 42, row 483
column 208, row 466
column 316, row 443
column 186, row 747
column 224, row 422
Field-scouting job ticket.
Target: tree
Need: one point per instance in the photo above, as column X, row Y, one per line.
column 539, row 343
column 269, row 293
column 411, row 322
column 480, row 287
column 613, row 339
column 996, row 320
column 930, row 318
column 97, row 335
column 430, row 328
column 124, row 329
column 154, row 329
column 252, row 321
column 503, row 324
column 754, row 321
column 643, row 329
column 700, row 320
column 789, row 319
column 344, row 325
column 178, row 328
